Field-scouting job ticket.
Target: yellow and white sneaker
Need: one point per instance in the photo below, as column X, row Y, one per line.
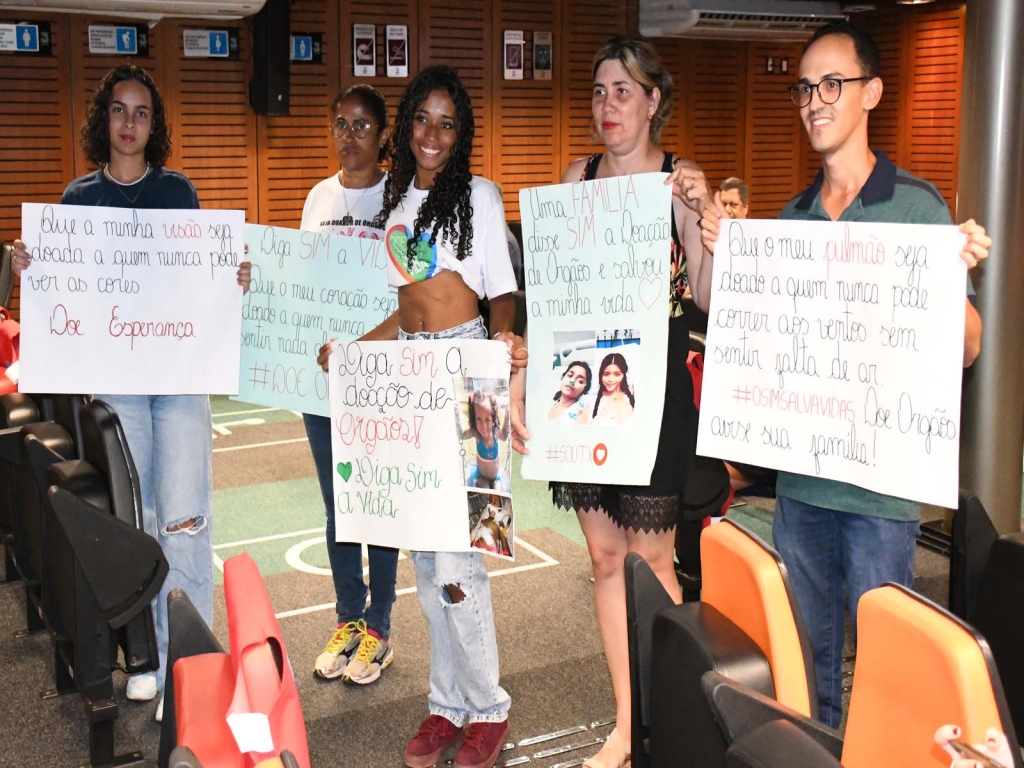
column 373, row 656
column 343, row 643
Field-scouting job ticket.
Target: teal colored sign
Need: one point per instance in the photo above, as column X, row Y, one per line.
column 308, row 288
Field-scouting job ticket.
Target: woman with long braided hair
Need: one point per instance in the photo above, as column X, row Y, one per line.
column 445, row 237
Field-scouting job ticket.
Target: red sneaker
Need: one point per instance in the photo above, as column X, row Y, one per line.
column 482, row 745
column 436, row 735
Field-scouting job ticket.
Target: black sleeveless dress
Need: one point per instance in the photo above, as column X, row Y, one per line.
column 655, row 507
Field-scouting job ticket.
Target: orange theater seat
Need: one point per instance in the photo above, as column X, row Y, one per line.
column 746, row 581
column 918, row 667
column 203, row 687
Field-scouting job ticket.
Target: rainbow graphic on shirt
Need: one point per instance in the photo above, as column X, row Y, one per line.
column 424, row 262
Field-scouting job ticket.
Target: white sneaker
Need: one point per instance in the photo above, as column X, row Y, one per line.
column 160, row 710
column 142, row 687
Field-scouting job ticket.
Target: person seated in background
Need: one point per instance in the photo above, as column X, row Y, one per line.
column 735, row 197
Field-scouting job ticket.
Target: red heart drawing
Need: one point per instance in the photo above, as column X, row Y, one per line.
column 650, row 291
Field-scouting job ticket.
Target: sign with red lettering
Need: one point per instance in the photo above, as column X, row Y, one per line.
column 130, row 302
column 835, row 349
column 420, row 437
column 597, row 257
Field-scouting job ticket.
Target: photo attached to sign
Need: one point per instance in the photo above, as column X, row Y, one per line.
column 482, row 424
column 491, row 524
column 594, row 377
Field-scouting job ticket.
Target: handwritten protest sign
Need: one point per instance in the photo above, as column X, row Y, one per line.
column 123, row 301
column 307, row 288
column 836, row 350
column 420, row 439
column 597, row 276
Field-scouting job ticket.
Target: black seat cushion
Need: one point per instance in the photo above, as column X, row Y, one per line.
column 106, row 448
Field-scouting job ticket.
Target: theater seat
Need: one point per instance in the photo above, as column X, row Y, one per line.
column 746, row 627
column 256, row 678
column 918, row 667
column 16, row 411
column 1000, row 617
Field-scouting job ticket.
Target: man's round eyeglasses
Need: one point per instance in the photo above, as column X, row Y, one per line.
column 829, row 90
column 359, row 128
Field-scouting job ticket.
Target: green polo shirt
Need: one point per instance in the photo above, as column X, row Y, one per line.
column 890, row 195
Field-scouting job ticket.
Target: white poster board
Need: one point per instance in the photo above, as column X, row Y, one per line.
column 308, row 288
column 130, row 302
column 409, row 470
column 596, row 256
column 836, row 350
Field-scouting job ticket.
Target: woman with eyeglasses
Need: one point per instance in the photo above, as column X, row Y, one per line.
column 346, row 203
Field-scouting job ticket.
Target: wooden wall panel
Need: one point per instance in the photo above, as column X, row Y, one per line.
column 884, row 124
column 718, row 116
column 214, row 136
column 291, row 150
column 773, row 131
column 527, row 113
column 455, row 32
column 36, row 133
column 588, row 24
column 933, row 120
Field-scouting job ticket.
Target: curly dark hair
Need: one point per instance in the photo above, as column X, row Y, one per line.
column 96, row 129
column 482, row 397
column 618, row 360
column 447, row 209
column 569, row 367
column 373, row 101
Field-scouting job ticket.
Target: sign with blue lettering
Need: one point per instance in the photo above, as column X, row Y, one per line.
column 26, row 38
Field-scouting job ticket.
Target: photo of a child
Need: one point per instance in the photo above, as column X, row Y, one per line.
column 482, row 423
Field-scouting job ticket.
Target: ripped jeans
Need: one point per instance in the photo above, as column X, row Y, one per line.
column 171, row 443
column 463, row 649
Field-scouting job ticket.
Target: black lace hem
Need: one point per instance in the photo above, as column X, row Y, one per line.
column 637, row 511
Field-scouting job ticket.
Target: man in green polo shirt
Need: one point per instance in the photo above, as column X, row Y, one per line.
column 829, row 533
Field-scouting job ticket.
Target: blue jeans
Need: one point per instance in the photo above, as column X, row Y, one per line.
column 171, row 443
column 347, row 558
column 464, row 673
column 823, row 550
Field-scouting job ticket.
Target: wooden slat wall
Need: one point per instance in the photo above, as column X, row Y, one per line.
column 717, row 120
column 455, row 32
column 293, row 151
column 214, row 135
column 917, row 122
column 526, row 113
column 35, row 143
column 933, row 121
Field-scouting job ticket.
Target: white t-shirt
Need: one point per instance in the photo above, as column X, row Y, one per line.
column 328, row 204
column 488, row 271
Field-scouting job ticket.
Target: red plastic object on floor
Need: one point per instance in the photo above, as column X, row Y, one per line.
column 248, row 696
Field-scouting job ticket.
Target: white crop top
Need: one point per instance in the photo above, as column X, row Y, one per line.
column 488, row 271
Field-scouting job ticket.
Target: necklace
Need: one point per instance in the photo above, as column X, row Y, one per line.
column 347, row 220
column 122, row 184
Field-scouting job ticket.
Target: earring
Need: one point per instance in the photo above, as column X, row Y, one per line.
column 650, row 116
